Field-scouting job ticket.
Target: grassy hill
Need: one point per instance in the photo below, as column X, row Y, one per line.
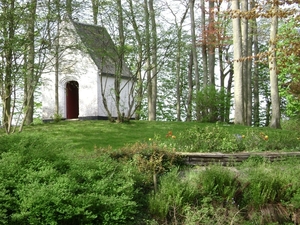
column 102, row 134
column 52, row 174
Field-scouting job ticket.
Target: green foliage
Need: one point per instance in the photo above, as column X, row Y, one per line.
column 263, row 189
column 46, row 181
column 57, row 118
column 37, row 121
column 210, row 214
column 291, row 125
column 218, row 139
column 288, row 64
column 259, row 191
column 295, row 200
column 173, row 194
column 41, row 186
column 148, row 156
column 88, row 134
column 213, row 104
column 208, row 139
column 219, row 183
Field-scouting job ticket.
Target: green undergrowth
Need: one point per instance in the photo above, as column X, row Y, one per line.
column 255, row 192
column 45, row 180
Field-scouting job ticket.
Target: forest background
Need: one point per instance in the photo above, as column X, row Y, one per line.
column 192, row 60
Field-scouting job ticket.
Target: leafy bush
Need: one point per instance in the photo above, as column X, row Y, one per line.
column 213, row 104
column 105, row 188
column 219, row 183
column 210, row 214
column 291, row 125
column 263, row 189
column 219, row 139
column 173, row 194
column 208, row 139
column 40, row 186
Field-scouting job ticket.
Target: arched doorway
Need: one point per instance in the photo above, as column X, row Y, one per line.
column 72, row 98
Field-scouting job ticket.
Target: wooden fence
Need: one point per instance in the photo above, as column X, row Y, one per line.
column 225, row 159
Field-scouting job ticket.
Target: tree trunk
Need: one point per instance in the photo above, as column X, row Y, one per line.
column 69, row 8
column 249, row 70
column 204, row 45
column 148, row 60
column 237, row 65
column 229, row 85
column 178, row 66
column 211, row 45
column 139, row 63
column 190, row 91
column 119, row 67
column 195, row 58
column 255, row 77
column 30, row 79
column 152, row 114
column 178, row 76
column 246, row 74
column 7, row 85
column 56, row 58
column 275, row 99
column 95, row 9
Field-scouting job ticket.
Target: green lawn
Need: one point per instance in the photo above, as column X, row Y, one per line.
column 88, row 134
column 100, row 133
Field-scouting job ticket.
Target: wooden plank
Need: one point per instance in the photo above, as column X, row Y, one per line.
column 198, row 158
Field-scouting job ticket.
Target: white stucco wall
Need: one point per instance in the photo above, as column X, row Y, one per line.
column 110, row 96
column 76, row 65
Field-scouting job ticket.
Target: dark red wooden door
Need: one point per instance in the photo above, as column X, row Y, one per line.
column 72, row 98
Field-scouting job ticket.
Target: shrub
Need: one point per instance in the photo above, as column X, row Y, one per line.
column 105, row 188
column 213, row 104
column 92, row 190
column 291, row 124
column 208, row 139
column 219, row 139
column 173, row 194
column 263, row 189
column 209, row 214
column 219, row 183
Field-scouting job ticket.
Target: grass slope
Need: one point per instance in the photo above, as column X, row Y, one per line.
column 89, row 134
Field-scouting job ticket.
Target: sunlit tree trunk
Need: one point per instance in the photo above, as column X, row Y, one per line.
column 275, row 99
column 139, row 63
column 190, row 89
column 246, row 75
column 56, row 57
column 119, row 67
column 237, row 65
column 194, row 52
column 152, row 106
column 148, row 58
column 204, row 45
column 249, row 70
column 255, row 77
column 8, row 35
column 212, row 43
column 30, row 79
column 178, row 65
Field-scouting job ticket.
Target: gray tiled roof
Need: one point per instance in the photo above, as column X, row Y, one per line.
column 101, row 48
